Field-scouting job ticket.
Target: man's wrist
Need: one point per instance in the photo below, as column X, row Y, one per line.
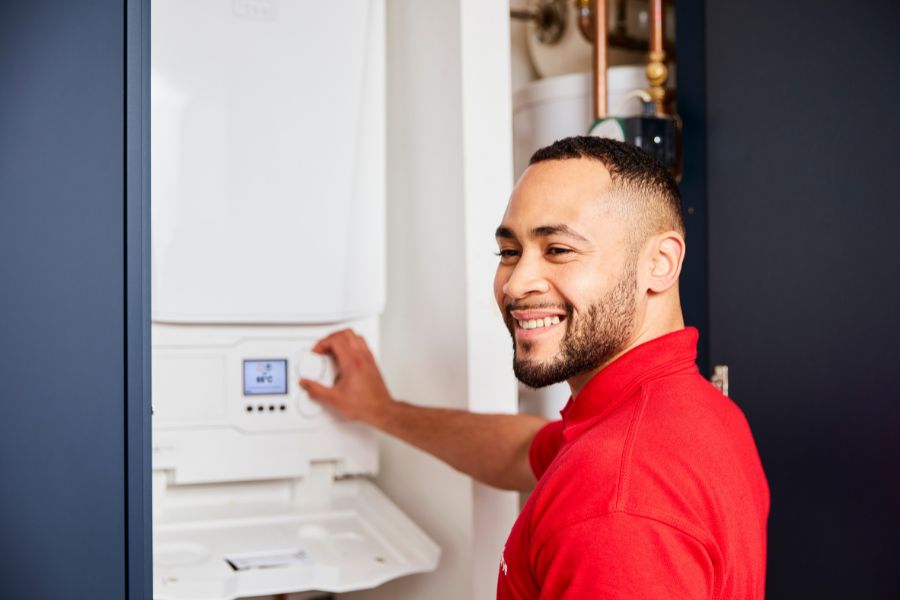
column 386, row 415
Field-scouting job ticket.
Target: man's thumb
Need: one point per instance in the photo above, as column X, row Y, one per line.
column 316, row 390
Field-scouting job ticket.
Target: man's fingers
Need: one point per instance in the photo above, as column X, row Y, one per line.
column 343, row 351
column 357, row 343
column 316, row 390
column 334, row 345
column 366, row 350
column 345, row 346
column 325, row 345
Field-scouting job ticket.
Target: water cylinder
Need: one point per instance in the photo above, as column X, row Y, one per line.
column 556, row 107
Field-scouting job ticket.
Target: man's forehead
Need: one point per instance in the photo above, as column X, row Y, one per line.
column 573, row 192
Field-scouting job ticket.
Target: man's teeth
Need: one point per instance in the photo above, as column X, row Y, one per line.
column 536, row 323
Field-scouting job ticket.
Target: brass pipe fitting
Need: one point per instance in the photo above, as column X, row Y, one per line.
column 657, row 71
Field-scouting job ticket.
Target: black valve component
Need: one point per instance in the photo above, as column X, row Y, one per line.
column 660, row 136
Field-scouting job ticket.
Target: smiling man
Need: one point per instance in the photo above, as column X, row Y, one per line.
column 650, row 485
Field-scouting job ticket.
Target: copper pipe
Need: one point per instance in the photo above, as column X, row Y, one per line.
column 656, row 26
column 592, row 21
column 618, row 37
column 599, row 29
column 657, row 71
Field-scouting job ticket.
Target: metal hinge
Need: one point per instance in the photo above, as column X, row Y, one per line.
column 720, row 378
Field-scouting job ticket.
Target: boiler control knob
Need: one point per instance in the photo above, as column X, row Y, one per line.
column 318, row 367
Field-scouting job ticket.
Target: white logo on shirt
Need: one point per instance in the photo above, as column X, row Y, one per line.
column 503, row 564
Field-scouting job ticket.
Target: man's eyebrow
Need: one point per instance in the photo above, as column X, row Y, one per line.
column 505, row 232
column 561, row 229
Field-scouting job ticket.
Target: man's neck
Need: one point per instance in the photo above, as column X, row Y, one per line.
column 643, row 335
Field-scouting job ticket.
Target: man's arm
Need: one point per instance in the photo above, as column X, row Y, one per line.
column 638, row 557
column 491, row 448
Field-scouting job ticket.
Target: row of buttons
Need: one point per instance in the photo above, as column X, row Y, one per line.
column 262, row 408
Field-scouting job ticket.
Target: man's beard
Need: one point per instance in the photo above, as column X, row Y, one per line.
column 598, row 335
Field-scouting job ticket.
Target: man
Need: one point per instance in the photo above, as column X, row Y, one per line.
column 650, row 486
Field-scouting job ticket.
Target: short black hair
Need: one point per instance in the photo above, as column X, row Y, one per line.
column 650, row 189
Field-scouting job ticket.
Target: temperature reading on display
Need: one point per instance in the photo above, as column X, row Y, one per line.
column 265, row 377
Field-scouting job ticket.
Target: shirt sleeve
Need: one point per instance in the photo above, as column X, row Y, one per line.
column 544, row 447
column 622, row 556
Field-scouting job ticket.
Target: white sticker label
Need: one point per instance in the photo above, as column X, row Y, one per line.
column 268, row 559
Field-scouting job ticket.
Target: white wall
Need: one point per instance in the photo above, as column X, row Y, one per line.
column 443, row 342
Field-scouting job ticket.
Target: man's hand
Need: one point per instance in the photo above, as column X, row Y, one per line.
column 359, row 390
column 491, row 448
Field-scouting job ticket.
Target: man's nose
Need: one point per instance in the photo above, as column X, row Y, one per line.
column 526, row 280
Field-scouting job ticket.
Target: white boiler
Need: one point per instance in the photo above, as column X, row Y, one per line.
column 268, row 221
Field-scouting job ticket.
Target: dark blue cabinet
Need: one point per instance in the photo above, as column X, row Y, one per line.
column 802, row 187
column 74, row 376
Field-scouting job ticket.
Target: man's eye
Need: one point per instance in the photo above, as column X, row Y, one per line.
column 557, row 251
column 507, row 253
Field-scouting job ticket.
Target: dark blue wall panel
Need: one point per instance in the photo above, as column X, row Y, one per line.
column 137, row 299
column 63, row 353
column 804, row 202
column 691, row 58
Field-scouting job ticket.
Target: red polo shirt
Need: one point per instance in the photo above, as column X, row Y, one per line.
column 649, row 487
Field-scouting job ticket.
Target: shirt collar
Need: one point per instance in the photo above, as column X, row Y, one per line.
column 670, row 354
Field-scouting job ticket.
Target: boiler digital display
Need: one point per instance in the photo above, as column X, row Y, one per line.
column 265, row 377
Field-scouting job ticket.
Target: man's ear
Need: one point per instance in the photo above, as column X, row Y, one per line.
column 666, row 257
